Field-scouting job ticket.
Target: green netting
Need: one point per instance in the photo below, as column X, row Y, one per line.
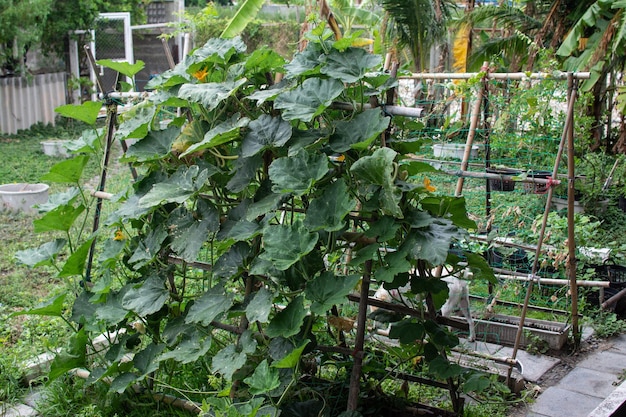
column 519, row 129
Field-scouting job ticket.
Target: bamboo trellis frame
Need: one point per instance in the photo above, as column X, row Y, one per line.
column 359, row 349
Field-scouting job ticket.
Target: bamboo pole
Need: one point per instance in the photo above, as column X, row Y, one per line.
column 529, row 288
column 613, row 299
column 472, row 131
column 571, row 235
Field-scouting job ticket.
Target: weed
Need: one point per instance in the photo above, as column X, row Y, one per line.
column 606, row 324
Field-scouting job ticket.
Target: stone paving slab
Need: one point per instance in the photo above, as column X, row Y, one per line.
column 533, row 366
column 618, row 344
column 19, row 410
column 607, row 361
column 588, row 381
column 558, row 402
column 612, row 405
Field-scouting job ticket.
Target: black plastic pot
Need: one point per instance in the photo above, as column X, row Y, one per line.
column 621, row 203
column 518, row 260
column 502, row 184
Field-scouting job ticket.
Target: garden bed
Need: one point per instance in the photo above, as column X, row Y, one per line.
column 502, row 329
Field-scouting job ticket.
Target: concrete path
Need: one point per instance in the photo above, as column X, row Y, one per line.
column 593, row 388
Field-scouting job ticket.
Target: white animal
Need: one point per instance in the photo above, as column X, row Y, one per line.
column 458, row 299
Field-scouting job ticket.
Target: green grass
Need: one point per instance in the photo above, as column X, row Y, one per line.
column 25, row 336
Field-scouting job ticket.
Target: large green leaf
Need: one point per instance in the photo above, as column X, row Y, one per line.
column 210, row 95
column 328, row 211
column 60, row 199
column 72, row 357
column 228, row 361
column 111, row 312
column 298, row 173
column 264, row 60
column 359, row 132
column 45, row 254
column 407, row 331
column 284, row 245
column 148, row 247
column 75, row 264
column 449, row 207
column 178, row 188
column 190, row 230
column 287, row 323
column 306, row 62
column 232, row 261
column 245, row 171
column 264, row 133
column 395, row 263
column 431, row 243
column 124, row 68
column 68, row 171
column 292, row 359
column 327, row 290
column 263, row 380
column 210, row 305
column 219, row 50
column 220, row 134
column 375, row 169
column 260, row 306
column 309, row 99
column 61, row 218
column 86, row 112
column 190, row 349
column 246, row 12
column 145, row 360
column 53, row 307
column 156, row 145
column 147, row 298
column 349, row 66
column 444, row 369
column 239, row 230
column 136, row 121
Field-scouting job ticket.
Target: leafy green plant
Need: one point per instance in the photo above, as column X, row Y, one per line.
column 215, row 256
column 606, row 324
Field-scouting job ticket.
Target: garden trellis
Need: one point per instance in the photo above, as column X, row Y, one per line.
column 524, row 136
column 233, row 224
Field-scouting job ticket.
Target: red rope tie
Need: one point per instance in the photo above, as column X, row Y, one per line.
column 549, row 183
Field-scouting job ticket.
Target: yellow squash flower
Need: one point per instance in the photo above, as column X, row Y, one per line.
column 119, row 235
column 201, row 74
column 429, row 187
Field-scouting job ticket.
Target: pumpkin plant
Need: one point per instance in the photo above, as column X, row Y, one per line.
column 257, row 211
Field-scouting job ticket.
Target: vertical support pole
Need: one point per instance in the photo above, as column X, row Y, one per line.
column 472, row 130
column 355, row 377
column 571, row 238
column 529, row 289
column 75, row 70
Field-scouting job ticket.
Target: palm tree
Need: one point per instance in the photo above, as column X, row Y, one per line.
column 418, row 25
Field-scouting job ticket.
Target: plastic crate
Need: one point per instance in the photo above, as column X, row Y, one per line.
column 615, row 274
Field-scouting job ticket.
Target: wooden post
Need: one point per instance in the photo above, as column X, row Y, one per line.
column 355, row 377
